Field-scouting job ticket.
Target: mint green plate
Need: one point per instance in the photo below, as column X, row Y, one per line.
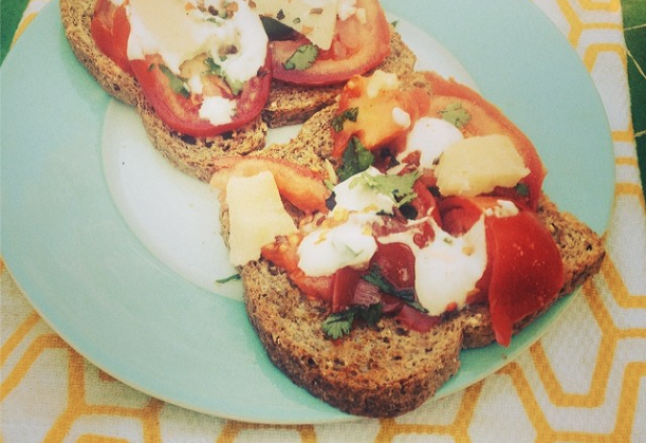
column 87, row 264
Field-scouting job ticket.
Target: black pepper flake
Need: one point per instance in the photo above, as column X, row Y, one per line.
column 280, row 15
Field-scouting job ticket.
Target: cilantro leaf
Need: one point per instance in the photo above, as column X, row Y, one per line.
column 399, row 187
column 455, row 114
column 356, row 158
column 339, row 324
column 177, row 83
column 303, row 58
column 349, row 114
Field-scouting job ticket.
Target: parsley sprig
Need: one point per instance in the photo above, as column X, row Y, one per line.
column 339, row 324
column 398, row 187
column 303, row 58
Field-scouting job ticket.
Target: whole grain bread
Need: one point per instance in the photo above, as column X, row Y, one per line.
column 387, row 370
column 286, row 105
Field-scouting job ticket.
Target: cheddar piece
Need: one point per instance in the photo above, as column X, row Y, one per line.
column 256, row 216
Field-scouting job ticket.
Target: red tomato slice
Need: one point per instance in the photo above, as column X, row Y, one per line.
column 181, row 112
column 299, row 185
column 397, row 264
column 344, row 285
column 526, row 270
column 283, row 254
column 357, row 48
column 110, row 29
column 488, row 119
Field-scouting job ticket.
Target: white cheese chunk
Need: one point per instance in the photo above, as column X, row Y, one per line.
column 326, row 250
column 430, row 136
column 256, row 216
column 218, row 110
column 477, row 165
column 447, row 270
column 316, row 19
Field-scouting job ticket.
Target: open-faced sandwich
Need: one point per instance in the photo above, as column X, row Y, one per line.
column 403, row 224
column 203, row 74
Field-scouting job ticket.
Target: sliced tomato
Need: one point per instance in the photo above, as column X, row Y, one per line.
column 299, row 185
column 345, row 282
column 358, row 46
column 284, row 254
column 487, row 119
column 181, row 111
column 110, row 30
column 526, row 274
column 396, row 263
column 375, row 124
column 416, row 320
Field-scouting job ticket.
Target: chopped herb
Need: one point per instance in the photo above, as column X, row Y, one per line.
column 303, row 58
column 349, row 114
column 214, row 69
column 228, row 279
column 280, row 15
column 455, row 114
column 394, row 24
column 177, row 83
column 296, row 21
column 356, row 158
column 339, row 324
column 400, row 187
column 375, row 277
column 522, row 189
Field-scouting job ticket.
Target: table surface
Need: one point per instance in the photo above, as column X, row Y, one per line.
column 584, row 381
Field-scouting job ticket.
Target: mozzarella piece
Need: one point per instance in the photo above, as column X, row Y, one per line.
column 359, row 197
column 477, row 165
column 326, row 250
column 218, row 110
column 256, row 216
column 447, row 270
column 316, row 19
column 431, row 137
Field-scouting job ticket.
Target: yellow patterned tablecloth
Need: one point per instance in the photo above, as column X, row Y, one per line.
column 585, row 381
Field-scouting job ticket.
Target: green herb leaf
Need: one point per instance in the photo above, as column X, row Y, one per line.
column 339, row 324
column 303, row 58
column 356, row 158
column 349, row 114
column 212, row 68
column 522, row 189
column 177, row 83
column 455, row 114
column 228, row 279
column 375, row 277
column 399, row 187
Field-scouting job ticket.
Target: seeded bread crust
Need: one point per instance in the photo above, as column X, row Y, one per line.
column 388, row 370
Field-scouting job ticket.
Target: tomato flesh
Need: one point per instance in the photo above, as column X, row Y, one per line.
column 357, row 48
column 110, row 30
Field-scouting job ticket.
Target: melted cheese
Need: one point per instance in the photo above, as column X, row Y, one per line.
column 179, row 31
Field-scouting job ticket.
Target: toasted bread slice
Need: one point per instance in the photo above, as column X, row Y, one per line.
column 387, row 370
column 290, row 104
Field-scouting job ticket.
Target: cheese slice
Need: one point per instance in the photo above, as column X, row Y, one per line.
column 316, row 19
column 256, row 216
